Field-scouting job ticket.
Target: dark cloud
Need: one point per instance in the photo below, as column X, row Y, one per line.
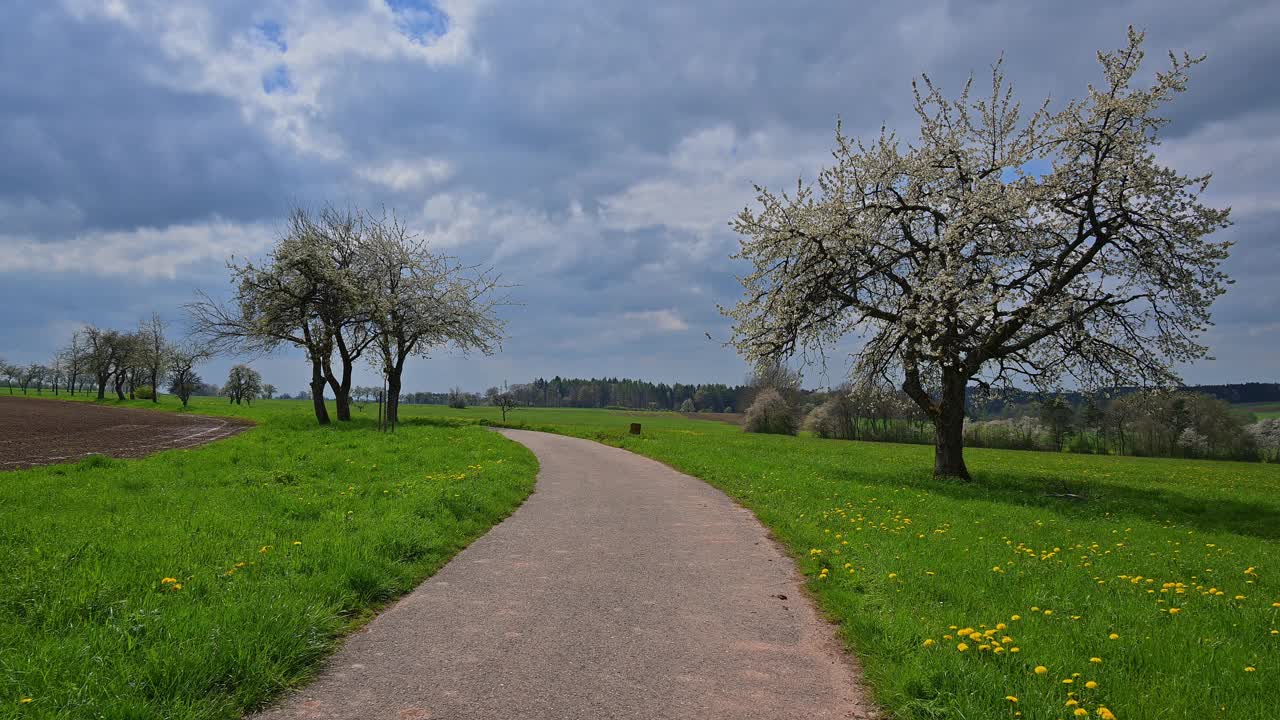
column 593, row 151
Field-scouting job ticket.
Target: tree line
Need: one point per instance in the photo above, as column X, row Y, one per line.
column 1157, row 423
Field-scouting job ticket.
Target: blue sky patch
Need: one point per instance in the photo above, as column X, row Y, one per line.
column 277, row 80
column 420, row 20
column 273, row 33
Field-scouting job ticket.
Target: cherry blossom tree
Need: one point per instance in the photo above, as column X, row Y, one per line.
column 1046, row 246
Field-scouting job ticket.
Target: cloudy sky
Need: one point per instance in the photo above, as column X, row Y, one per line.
column 592, row 151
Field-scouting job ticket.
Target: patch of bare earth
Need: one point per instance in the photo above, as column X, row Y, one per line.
column 42, row 432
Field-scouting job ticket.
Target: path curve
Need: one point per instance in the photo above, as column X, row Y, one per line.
column 621, row 589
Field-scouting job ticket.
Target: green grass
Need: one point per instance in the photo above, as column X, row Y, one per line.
column 909, row 559
column 281, row 538
column 1259, row 410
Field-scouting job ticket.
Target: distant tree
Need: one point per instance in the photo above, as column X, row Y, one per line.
column 958, row 264
column 181, row 364
column 153, row 352
column 243, row 385
column 268, row 390
column 1056, row 414
column 687, row 406
column 502, row 399
column 457, row 399
column 771, row 413
column 9, row 373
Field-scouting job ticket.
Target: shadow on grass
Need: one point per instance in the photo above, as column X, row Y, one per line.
column 1093, row 498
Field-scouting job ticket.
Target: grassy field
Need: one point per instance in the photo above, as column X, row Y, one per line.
column 1073, row 583
column 1260, row 410
column 198, row 583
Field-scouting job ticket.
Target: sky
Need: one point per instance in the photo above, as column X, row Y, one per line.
column 591, row 152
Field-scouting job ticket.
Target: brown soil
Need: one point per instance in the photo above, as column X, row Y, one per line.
column 41, row 432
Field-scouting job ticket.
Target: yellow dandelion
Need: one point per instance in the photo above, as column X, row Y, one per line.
column 929, row 642
column 1015, row 618
column 1092, row 685
column 1105, row 714
column 25, row 700
column 1113, row 636
column 168, row 581
column 177, row 586
column 1095, row 659
column 1015, row 649
column 1080, row 712
column 1011, row 698
column 1250, row 668
column 1041, row 670
column 297, row 542
column 962, row 647
column 1072, row 702
column 1174, row 611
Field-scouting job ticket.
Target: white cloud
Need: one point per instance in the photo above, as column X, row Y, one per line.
column 403, row 174
column 707, row 179
column 144, row 252
column 660, row 320
column 317, row 43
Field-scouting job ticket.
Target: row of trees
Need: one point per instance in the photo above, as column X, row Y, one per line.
column 346, row 285
column 1160, row 423
column 129, row 363
column 628, row 393
column 133, row 364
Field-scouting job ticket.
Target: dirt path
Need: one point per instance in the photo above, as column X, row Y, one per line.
column 37, row 431
column 620, row 589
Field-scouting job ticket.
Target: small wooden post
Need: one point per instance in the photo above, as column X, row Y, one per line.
column 635, row 428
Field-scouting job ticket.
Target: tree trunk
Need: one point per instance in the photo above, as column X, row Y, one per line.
column 102, row 388
column 317, row 392
column 341, row 388
column 948, row 455
column 155, row 385
column 393, row 396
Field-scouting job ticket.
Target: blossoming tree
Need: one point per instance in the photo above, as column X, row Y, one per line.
column 957, row 262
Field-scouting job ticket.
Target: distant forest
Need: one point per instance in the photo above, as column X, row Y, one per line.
column 610, row 392
column 718, row 397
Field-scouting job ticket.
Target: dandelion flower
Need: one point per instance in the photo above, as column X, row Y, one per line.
column 24, row 701
column 177, row 586
column 1092, row 685
column 929, row 642
column 297, row 542
column 1041, row 670
column 168, row 580
column 1113, row 636
column 1250, row 668
column 1080, row 712
column 1174, row 611
column 1105, row 714
column 1095, row 659
column 1011, row 698
column 1019, row 617
column 962, row 647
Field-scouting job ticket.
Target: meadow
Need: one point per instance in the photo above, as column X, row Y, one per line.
column 1054, row 586
column 1259, row 410
column 197, row 583
column 200, row 583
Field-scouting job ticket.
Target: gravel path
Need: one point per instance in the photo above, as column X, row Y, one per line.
column 620, row 589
